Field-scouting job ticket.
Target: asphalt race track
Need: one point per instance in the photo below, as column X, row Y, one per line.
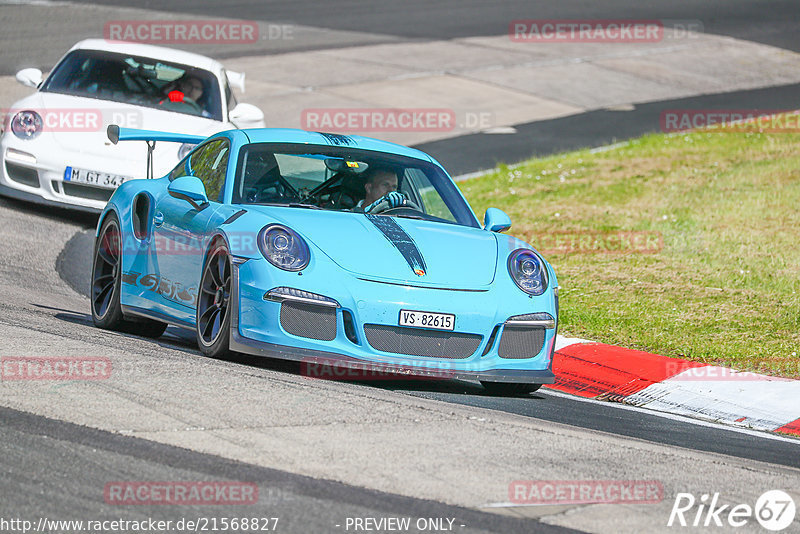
column 74, row 268
column 301, row 503
column 775, row 24
column 320, row 451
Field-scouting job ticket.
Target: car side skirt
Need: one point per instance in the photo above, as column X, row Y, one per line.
column 136, row 312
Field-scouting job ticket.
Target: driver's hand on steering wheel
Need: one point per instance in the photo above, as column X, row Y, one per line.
column 392, row 199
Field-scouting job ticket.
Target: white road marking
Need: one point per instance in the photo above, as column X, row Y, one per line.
column 674, row 417
column 721, row 394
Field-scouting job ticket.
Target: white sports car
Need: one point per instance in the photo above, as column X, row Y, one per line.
column 54, row 144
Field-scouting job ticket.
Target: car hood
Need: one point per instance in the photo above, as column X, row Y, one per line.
column 391, row 248
column 80, row 127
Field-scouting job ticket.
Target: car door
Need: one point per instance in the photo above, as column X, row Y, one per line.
column 181, row 228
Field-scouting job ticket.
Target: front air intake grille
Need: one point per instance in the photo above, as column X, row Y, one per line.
column 87, row 191
column 520, row 342
column 22, row 175
column 309, row 320
column 417, row 342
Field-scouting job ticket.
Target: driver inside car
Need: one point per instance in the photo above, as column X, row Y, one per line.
column 185, row 94
column 381, row 186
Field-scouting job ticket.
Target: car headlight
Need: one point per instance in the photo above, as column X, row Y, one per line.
column 528, row 271
column 283, row 247
column 27, row 124
column 184, row 149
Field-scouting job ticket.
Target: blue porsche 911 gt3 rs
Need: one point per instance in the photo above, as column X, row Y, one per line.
column 321, row 247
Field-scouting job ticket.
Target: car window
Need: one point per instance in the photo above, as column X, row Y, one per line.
column 303, row 172
column 230, row 97
column 418, row 188
column 338, row 178
column 210, row 163
column 179, row 170
column 139, row 81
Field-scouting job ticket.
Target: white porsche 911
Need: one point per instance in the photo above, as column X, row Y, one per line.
column 54, row 145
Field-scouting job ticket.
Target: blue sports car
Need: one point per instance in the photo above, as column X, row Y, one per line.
column 320, row 247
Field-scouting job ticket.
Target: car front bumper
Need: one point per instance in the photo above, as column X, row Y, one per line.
column 34, row 171
column 257, row 329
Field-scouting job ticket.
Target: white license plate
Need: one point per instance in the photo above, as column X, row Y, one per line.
column 100, row 179
column 420, row 319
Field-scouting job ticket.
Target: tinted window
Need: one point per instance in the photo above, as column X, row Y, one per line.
column 419, row 188
column 230, row 97
column 179, row 170
column 139, row 81
column 209, row 163
column 345, row 179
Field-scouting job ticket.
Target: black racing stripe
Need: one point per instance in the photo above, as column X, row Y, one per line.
column 400, row 239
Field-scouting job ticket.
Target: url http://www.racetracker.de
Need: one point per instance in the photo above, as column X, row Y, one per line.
column 196, row 524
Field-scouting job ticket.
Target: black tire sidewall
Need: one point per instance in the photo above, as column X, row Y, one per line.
column 221, row 346
column 113, row 316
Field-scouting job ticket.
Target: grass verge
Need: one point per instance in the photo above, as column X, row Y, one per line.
column 725, row 207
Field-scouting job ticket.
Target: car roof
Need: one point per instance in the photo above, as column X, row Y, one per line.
column 291, row 135
column 151, row 51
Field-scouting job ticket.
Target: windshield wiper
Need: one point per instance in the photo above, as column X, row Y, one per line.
column 286, row 205
column 405, row 216
column 302, row 205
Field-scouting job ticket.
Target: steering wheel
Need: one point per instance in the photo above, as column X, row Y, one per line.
column 383, row 206
column 194, row 105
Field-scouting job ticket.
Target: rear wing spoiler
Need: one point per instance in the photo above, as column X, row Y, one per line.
column 116, row 134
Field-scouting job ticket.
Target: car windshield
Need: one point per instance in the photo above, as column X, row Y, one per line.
column 345, row 179
column 138, row 81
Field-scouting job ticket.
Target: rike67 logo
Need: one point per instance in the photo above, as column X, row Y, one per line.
column 774, row 510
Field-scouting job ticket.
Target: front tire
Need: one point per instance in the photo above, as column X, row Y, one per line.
column 213, row 303
column 508, row 389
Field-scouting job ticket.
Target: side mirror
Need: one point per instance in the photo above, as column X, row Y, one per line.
column 236, row 79
column 30, row 77
column 496, row 220
column 246, row 116
column 190, row 189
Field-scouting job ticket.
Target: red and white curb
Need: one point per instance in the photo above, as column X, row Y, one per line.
column 675, row 386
